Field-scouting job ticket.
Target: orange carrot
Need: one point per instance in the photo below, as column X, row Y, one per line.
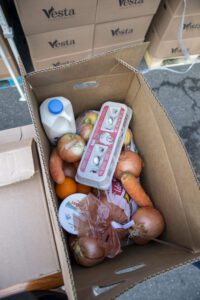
column 135, row 190
column 56, row 167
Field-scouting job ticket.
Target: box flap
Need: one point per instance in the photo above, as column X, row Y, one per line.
column 28, row 250
column 17, row 134
column 16, row 162
column 107, row 63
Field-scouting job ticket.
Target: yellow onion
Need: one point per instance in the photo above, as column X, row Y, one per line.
column 129, row 162
column 87, row 251
column 149, row 224
column 70, row 147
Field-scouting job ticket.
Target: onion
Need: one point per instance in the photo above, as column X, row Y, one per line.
column 70, row 147
column 117, row 214
column 87, row 251
column 69, row 170
column 129, row 162
column 122, row 233
column 149, row 224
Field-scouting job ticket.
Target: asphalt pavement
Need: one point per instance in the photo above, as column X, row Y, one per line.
column 180, row 95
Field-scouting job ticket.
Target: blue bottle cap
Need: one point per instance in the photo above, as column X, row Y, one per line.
column 55, row 106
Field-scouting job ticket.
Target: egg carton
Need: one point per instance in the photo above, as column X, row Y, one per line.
column 102, row 152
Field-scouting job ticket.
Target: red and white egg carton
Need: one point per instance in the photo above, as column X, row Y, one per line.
column 100, row 158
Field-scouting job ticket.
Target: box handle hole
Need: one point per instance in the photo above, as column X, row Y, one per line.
column 129, row 269
column 85, row 85
column 100, row 289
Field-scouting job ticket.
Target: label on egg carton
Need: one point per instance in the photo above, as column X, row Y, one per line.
column 100, row 158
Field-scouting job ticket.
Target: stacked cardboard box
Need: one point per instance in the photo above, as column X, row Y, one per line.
column 56, row 29
column 122, row 22
column 3, row 70
column 163, row 33
column 63, row 31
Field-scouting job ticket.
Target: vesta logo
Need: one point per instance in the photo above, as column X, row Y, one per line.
column 62, row 13
column 120, row 32
column 190, row 26
column 56, row 44
column 177, row 50
column 125, row 3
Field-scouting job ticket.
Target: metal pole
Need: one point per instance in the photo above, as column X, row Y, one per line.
column 8, row 34
column 8, row 66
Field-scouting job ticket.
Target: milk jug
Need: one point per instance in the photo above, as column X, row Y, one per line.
column 57, row 118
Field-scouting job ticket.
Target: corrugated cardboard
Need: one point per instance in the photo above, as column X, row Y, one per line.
column 101, row 50
column 192, row 7
column 123, row 31
column 49, row 15
column 166, row 49
column 60, row 42
column 61, row 60
column 167, row 177
column 111, row 10
column 28, row 251
column 168, row 25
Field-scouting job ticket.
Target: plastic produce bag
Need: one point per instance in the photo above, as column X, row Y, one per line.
column 95, row 221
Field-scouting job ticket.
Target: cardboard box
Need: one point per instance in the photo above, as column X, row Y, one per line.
column 112, row 10
column 166, row 49
column 60, row 42
column 168, row 176
column 103, row 50
column 49, row 15
column 61, row 60
column 192, row 7
column 123, row 31
column 168, row 25
column 28, row 253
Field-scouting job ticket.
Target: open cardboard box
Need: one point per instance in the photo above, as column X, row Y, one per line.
column 28, row 254
column 168, row 176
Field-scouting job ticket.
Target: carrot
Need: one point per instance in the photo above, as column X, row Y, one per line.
column 56, row 167
column 135, row 190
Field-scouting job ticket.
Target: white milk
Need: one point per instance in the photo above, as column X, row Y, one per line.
column 57, row 118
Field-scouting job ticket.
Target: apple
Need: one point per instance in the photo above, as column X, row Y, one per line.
column 85, row 131
column 85, row 123
column 91, row 117
column 128, row 137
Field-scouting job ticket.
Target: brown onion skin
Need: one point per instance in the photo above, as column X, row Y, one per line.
column 87, row 251
column 69, row 170
column 56, row 167
column 153, row 224
column 130, row 162
column 122, row 233
column 70, row 147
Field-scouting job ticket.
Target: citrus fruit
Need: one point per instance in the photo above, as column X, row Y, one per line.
column 66, row 188
column 84, row 189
